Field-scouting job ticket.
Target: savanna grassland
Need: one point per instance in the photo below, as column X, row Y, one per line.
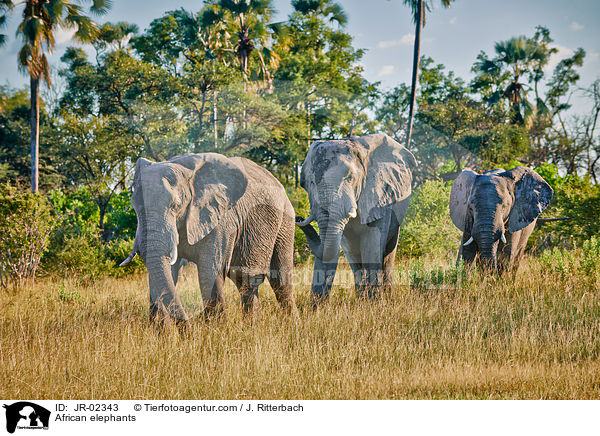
column 442, row 333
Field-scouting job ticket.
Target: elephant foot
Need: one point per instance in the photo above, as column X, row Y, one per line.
column 159, row 315
column 250, row 302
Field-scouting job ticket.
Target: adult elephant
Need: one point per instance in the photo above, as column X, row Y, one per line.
column 497, row 211
column 359, row 189
column 228, row 215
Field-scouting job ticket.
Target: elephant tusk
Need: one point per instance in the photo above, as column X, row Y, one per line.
column 129, row 258
column 503, row 238
column 353, row 213
column 306, row 222
column 468, row 242
column 174, row 255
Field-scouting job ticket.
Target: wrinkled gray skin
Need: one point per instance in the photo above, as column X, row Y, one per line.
column 229, row 216
column 359, row 189
column 495, row 203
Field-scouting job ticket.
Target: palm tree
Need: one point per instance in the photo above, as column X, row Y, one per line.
column 249, row 22
column 418, row 8
column 515, row 58
column 324, row 8
column 41, row 19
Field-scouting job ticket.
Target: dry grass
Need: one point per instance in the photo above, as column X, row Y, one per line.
column 533, row 337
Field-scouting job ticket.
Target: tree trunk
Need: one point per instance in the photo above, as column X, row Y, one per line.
column 413, row 90
column 296, row 176
column 35, row 132
column 214, row 120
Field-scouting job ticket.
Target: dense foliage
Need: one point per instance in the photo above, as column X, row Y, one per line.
column 227, row 78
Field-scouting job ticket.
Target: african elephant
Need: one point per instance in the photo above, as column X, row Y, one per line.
column 359, row 189
column 229, row 216
column 481, row 206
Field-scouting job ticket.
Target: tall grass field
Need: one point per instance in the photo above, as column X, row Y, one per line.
column 442, row 333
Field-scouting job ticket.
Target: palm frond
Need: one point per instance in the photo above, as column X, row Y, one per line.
column 31, row 28
column 100, row 7
column 54, row 9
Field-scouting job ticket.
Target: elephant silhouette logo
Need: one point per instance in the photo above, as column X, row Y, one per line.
column 24, row 414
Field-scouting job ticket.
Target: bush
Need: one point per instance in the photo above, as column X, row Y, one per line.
column 427, row 229
column 575, row 197
column 120, row 221
column 117, row 251
column 424, row 277
column 584, row 261
column 81, row 257
column 76, row 247
column 26, row 222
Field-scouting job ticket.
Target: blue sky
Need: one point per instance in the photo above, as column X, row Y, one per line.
column 451, row 36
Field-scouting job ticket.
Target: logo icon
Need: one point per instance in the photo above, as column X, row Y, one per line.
column 26, row 415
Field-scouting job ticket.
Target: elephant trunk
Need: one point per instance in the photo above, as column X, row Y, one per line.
column 312, row 237
column 164, row 301
column 157, row 243
column 331, row 240
column 326, row 264
column 323, row 275
column 488, row 250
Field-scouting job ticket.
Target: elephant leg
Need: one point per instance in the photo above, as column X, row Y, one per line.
column 165, row 305
column 357, row 270
column 389, row 257
column 351, row 248
column 248, row 287
column 372, row 246
column 388, row 271
column 250, row 301
column 518, row 244
column 211, row 282
column 280, row 274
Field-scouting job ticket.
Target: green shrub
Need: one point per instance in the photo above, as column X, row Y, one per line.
column 424, row 277
column 68, row 295
column 120, row 221
column 116, row 251
column 26, row 221
column 81, row 257
column 575, row 197
column 76, row 247
column 584, row 261
column 427, row 229
column 81, row 213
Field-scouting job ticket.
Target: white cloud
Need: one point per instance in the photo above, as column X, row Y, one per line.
column 576, row 26
column 562, row 53
column 452, row 20
column 63, row 36
column 386, row 70
column 407, row 39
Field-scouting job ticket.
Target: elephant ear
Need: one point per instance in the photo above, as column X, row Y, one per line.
column 388, row 175
column 217, row 185
column 532, row 196
column 459, row 197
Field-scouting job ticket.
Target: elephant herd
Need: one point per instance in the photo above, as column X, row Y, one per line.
column 232, row 218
